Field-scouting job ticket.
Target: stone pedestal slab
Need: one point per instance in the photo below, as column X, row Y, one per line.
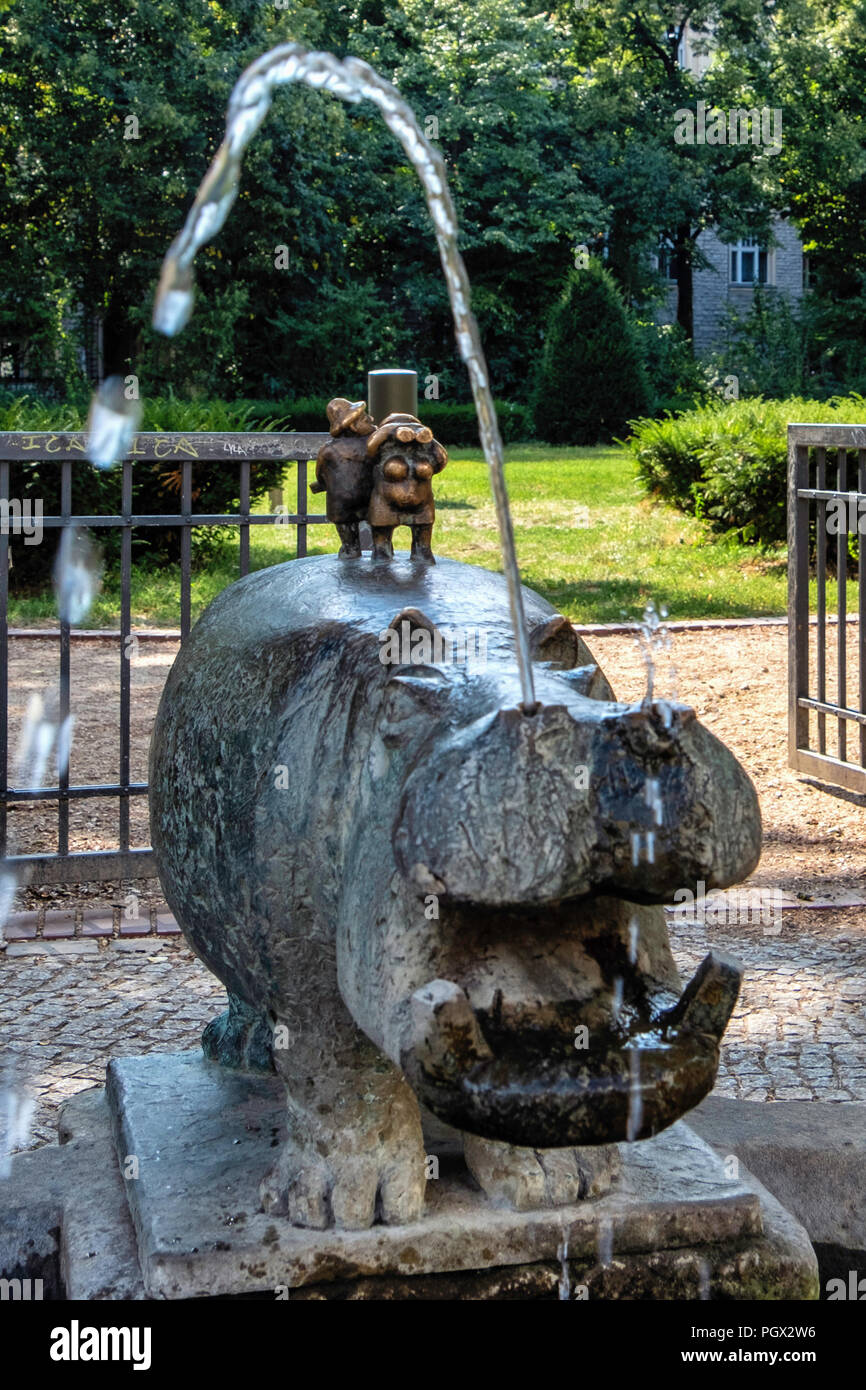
column 200, row 1139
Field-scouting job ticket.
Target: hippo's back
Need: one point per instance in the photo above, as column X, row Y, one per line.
column 281, row 672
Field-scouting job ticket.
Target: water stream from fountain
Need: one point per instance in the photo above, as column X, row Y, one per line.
column 44, row 730
column 352, row 80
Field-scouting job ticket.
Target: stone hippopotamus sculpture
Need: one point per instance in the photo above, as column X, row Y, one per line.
column 432, row 895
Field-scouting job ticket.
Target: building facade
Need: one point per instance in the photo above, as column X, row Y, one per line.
column 728, row 280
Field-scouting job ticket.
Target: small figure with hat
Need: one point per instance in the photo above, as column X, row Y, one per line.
column 404, row 456
column 344, row 470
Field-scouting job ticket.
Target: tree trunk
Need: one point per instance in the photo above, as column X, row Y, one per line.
column 685, row 301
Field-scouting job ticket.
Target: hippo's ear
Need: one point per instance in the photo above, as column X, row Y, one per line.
column 559, row 643
column 589, row 681
column 412, row 640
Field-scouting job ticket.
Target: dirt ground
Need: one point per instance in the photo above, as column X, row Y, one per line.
column 735, row 678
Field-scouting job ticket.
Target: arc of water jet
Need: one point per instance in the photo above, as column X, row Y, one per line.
column 353, row 80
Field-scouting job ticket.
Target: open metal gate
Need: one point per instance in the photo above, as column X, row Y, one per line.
column 827, row 652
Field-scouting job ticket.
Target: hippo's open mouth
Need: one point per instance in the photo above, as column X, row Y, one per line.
column 555, row 1086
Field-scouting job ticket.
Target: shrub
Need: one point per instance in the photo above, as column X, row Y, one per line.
column 668, row 453
column 676, row 380
column 728, row 462
column 156, row 485
column 590, row 379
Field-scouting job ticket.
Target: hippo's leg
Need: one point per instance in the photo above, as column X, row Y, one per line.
column 348, row 533
column 383, row 548
column 421, row 538
column 239, row 1038
column 354, row 1151
column 528, row 1179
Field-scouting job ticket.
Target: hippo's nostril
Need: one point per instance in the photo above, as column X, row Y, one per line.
column 654, row 728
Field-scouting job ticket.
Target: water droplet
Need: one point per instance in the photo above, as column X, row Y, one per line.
column 77, row 573
column 633, row 934
column 8, row 889
column 605, row 1240
column 653, row 799
column 635, row 1098
column 19, row 1112
column 64, row 743
column 565, row 1273
column 112, row 423
column 616, row 1004
column 173, row 311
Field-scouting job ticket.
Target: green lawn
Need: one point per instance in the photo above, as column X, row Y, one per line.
column 586, row 538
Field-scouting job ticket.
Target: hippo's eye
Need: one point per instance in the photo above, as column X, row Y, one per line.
column 396, row 469
column 411, row 701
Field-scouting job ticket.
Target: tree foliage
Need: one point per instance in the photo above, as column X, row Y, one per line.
column 557, row 131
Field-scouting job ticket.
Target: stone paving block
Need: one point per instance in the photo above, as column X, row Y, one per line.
column 97, row 925
column 139, row 927
column 22, row 926
column 811, row 1155
column 59, row 924
column 52, row 948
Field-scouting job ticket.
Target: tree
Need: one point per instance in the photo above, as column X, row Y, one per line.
column 590, row 378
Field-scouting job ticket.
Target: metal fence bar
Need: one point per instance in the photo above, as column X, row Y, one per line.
column 841, row 608
column 798, row 599
column 79, row 793
column 302, row 508
column 65, row 675
column 185, row 548
column 245, row 514
column 821, row 541
column 187, row 450
column 804, row 501
column 4, row 656
column 125, row 651
column 861, row 595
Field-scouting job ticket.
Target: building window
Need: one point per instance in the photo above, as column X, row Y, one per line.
column 748, row 263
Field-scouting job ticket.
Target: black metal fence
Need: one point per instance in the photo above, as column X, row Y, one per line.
column 69, row 452
column 826, row 510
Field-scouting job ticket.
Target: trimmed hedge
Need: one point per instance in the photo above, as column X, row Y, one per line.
column 451, row 424
column 157, row 484
column 728, row 462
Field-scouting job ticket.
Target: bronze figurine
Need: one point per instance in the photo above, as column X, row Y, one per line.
column 382, row 475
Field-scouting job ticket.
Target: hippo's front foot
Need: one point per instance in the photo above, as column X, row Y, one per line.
column 240, row 1038
column 530, row 1179
column 354, row 1151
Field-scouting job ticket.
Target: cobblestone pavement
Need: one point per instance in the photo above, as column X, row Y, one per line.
column 64, row 1016
column 799, row 1031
